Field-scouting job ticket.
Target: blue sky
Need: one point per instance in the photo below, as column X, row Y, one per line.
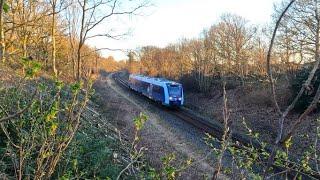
column 167, row 21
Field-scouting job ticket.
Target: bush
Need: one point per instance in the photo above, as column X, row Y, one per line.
column 39, row 119
column 39, row 135
column 308, row 95
column 91, row 154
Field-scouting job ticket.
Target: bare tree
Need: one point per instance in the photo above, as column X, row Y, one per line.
column 56, row 7
column 94, row 13
column 304, row 22
column 314, row 16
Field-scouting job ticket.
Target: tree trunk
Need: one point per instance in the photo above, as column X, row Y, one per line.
column 24, row 30
column 74, row 69
column 2, row 43
column 54, row 38
column 82, row 40
column 96, row 68
column 79, row 63
column 25, row 44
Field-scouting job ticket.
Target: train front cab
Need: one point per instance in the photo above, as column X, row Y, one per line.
column 174, row 95
column 169, row 94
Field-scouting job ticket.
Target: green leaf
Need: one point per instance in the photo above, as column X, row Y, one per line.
column 140, row 121
column 76, row 87
column 6, row 7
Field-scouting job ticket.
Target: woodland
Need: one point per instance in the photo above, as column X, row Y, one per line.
column 50, row 128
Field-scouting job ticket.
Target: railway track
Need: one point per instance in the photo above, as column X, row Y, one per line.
column 217, row 130
column 186, row 116
column 201, row 123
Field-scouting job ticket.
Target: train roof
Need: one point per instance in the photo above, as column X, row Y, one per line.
column 153, row 80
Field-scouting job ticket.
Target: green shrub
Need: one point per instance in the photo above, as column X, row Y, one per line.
column 38, row 119
column 38, row 136
column 91, row 154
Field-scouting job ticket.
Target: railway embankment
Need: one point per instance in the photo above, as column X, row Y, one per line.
column 252, row 106
column 163, row 134
column 200, row 119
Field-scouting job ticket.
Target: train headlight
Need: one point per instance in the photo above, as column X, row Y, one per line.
column 179, row 99
column 170, row 98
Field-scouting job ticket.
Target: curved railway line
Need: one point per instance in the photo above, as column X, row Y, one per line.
column 216, row 129
column 184, row 114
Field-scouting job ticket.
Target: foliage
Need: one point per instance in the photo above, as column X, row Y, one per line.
column 40, row 120
column 40, row 140
column 94, row 153
column 249, row 161
column 170, row 169
column 140, row 121
column 136, row 153
column 298, row 81
column 39, row 117
column 6, row 7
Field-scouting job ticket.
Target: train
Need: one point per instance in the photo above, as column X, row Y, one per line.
column 164, row 91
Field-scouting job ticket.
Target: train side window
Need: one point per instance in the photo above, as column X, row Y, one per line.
column 161, row 93
column 156, row 89
column 144, row 85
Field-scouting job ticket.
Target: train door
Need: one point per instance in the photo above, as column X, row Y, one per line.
column 150, row 91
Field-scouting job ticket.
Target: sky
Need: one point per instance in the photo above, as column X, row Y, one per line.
column 167, row 21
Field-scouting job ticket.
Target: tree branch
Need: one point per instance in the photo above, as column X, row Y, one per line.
column 107, row 35
column 269, row 55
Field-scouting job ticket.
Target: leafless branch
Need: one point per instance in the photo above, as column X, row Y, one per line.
column 305, row 86
column 117, row 13
column 107, row 35
column 269, row 70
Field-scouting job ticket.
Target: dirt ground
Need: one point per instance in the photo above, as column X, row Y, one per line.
column 158, row 136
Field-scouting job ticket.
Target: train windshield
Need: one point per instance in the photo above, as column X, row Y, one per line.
column 174, row 90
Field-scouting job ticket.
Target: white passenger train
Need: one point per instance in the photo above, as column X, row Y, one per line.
column 168, row 93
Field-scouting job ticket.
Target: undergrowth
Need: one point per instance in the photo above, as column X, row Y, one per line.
column 94, row 153
column 45, row 132
column 39, row 119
